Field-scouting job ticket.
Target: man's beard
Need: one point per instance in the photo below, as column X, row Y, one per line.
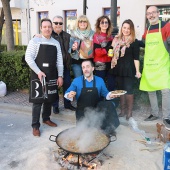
column 87, row 75
column 153, row 21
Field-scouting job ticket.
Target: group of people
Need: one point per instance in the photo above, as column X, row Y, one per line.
column 52, row 54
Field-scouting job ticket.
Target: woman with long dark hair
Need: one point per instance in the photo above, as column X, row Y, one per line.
column 102, row 41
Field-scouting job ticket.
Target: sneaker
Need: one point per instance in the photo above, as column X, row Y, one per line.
column 151, row 117
column 166, row 122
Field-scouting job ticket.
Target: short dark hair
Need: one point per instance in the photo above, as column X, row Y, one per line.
column 91, row 62
column 46, row 19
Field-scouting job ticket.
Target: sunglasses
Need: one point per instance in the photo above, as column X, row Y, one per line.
column 81, row 21
column 104, row 22
column 58, row 23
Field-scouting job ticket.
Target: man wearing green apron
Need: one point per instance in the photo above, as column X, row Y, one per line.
column 156, row 70
column 44, row 57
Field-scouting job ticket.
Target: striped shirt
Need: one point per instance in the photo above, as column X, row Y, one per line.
column 32, row 52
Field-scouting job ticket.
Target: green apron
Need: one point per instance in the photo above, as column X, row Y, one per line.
column 156, row 70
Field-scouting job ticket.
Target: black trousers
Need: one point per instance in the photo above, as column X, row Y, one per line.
column 36, row 111
column 66, row 85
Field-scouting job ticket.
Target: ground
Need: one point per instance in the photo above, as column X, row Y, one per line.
column 21, row 150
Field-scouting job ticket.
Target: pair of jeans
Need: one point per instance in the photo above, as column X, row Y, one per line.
column 165, row 103
column 77, row 70
column 66, row 85
column 36, row 111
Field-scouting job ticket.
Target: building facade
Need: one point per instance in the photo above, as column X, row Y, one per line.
column 27, row 14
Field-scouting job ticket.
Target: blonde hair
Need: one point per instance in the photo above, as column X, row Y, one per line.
column 82, row 18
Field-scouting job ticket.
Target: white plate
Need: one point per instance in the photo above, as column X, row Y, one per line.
column 116, row 92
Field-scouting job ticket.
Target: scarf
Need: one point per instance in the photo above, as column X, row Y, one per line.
column 119, row 48
column 86, row 34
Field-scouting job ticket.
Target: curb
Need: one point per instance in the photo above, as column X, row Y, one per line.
column 65, row 115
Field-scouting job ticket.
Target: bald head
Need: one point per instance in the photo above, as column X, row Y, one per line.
column 152, row 8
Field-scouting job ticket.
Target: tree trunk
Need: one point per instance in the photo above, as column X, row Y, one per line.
column 1, row 24
column 9, row 25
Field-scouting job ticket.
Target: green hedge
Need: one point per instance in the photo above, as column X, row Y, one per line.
column 13, row 70
column 3, row 47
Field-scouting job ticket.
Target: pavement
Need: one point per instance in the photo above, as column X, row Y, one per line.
column 18, row 101
column 20, row 150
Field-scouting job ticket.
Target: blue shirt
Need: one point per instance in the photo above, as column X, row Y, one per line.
column 77, row 86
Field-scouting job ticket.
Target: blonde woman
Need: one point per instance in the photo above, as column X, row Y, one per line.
column 81, row 46
column 125, row 64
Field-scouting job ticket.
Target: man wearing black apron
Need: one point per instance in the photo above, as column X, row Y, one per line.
column 88, row 89
column 44, row 57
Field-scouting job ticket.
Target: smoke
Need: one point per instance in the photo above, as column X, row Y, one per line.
column 93, row 118
column 84, row 132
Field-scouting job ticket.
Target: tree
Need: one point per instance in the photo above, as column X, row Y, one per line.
column 1, row 23
column 9, row 25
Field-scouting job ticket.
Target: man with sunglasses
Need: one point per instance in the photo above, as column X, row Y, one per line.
column 64, row 39
column 156, row 70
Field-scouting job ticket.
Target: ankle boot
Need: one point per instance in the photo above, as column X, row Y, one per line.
column 122, row 106
column 129, row 101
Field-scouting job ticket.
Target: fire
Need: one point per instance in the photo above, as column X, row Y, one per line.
column 72, row 161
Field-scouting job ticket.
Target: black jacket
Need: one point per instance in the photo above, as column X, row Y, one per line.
column 64, row 38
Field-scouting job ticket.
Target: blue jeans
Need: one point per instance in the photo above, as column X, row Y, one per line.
column 107, row 77
column 77, row 70
column 66, row 85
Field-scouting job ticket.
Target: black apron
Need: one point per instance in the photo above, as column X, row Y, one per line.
column 46, row 61
column 89, row 97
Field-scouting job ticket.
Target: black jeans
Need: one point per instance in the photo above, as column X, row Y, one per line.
column 66, row 85
column 36, row 111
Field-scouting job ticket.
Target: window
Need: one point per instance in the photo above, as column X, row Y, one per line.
column 41, row 15
column 70, row 18
column 16, row 32
column 164, row 13
column 107, row 12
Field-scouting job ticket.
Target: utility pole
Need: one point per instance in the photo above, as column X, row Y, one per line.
column 84, row 6
column 114, row 16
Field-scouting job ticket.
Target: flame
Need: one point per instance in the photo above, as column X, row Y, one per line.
column 69, row 157
column 71, row 160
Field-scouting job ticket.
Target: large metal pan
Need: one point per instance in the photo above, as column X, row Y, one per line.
column 71, row 142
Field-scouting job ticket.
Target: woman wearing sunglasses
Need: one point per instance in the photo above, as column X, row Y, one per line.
column 81, row 45
column 102, row 41
column 125, row 65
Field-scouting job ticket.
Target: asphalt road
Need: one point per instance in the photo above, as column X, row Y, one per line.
column 19, row 149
